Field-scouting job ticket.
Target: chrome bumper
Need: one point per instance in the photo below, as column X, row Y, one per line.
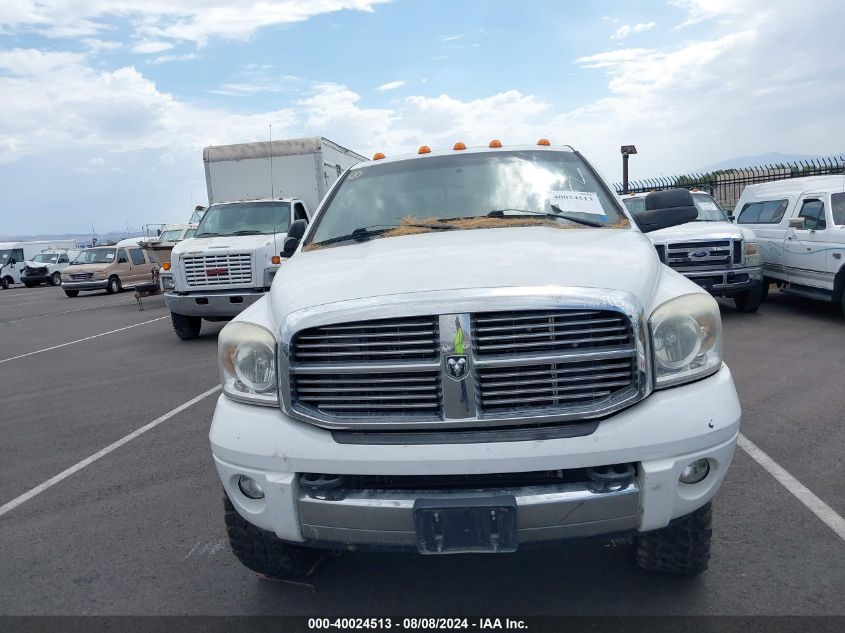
column 86, row 285
column 544, row 513
column 726, row 282
column 226, row 303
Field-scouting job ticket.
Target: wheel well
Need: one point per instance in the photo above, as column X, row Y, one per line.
column 839, row 284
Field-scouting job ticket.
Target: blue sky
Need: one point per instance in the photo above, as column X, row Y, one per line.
column 107, row 105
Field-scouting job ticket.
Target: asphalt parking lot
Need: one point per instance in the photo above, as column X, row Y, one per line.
column 140, row 530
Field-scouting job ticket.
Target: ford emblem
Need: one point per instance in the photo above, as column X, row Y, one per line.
column 699, row 254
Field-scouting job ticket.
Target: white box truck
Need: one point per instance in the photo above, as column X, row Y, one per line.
column 255, row 192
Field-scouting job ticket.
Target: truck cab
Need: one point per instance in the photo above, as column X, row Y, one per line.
column 474, row 350
column 719, row 256
column 46, row 267
column 229, row 263
column 800, row 226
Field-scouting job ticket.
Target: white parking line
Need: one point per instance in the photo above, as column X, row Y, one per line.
column 14, row 503
column 80, row 340
column 815, row 505
column 42, row 316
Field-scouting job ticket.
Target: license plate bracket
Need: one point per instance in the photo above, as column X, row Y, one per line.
column 466, row 525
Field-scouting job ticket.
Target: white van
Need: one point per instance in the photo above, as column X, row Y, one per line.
column 800, row 228
column 14, row 255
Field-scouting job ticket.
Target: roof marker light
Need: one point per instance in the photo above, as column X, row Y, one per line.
column 424, row 149
column 495, row 143
column 378, row 156
column 459, row 145
column 544, row 142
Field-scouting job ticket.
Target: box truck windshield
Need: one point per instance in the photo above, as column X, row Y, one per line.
column 245, row 218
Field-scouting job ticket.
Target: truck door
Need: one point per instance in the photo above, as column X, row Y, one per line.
column 803, row 248
column 835, row 234
column 138, row 266
column 17, row 269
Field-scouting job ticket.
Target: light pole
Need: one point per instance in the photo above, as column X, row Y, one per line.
column 626, row 150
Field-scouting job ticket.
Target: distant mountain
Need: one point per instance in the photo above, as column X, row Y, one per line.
column 81, row 238
column 772, row 158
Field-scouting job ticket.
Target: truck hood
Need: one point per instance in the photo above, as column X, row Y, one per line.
column 481, row 258
column 700, row 231
column 85, row 268
column 32, row 264
column 232, row 243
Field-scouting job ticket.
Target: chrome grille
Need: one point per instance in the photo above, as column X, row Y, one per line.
column 554, row 384
column 507, row 333
column 81, row 276
column 369, row 341
column 218, row 270
column 372, row 394
column 523, row 366
column 719, row 255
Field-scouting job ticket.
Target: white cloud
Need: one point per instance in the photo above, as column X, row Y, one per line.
column 151, row 47
column 701, row 10
column 184, row 20
column 96, row 162
column 185, row 57
column 391, row 85
column 627, row 29
column 96, row 45
column 453, row 38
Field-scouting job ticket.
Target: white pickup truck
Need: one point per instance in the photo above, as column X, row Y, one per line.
column 800, row 225
column 711, row 251
column 255, row 192
column 472, row 351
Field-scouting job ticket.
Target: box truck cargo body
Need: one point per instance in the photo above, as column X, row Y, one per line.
column 255, row 192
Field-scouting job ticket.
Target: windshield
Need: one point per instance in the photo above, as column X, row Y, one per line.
column 171, row 235
column 4, row 256
column 95, row 256
column 496, row 189
column 708, row 210
column 196, row 216
column 245, row 218
column 46, row 258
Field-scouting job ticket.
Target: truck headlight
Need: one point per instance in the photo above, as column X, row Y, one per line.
column 167, row 282
column 247, row 356
column 99, row 276
column 269, row 273
column 686, row 336
column 752, row 256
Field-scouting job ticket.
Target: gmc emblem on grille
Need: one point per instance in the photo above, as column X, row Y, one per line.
column 456, row 367
column 216, row 272
column 699, row 254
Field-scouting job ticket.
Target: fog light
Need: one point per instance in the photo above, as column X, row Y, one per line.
column 695, row 472
column 250, row 488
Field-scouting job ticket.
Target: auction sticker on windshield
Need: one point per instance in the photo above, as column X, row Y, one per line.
column 577, row 202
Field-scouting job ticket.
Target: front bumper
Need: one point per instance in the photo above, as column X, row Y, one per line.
column 660, row 435
column 35, row 279
column 723, row 283
column 91, row 284
column 225, row 303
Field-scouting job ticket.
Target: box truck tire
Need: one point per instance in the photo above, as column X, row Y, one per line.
column 186, row 327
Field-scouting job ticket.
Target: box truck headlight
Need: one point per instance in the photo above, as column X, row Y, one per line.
column 167, row 282
column 687, row 339
column 247, row 356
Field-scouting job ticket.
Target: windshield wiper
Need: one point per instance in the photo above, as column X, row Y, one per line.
column 500, row 213
column 246, row 232
column 209, row 235
column 365, row 233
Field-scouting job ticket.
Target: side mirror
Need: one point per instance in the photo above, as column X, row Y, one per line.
column 122, row 260
column 797, row 223
column 732, row 218
column 294, row 237
column 666, row 208
column 12, row 261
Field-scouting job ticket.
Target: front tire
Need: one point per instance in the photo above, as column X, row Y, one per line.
column 186, row 327
column 5, row 282
column 71, row 293
column 749, row 300
column 682, row 548
column 262, row 551
column 56, row 279
column 114, row 286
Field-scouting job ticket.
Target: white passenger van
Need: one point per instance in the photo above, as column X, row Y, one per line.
column 14, row 255
column 800, row 228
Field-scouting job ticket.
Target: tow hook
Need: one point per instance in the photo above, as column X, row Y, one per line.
column 610, row 478
column 320, row 486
